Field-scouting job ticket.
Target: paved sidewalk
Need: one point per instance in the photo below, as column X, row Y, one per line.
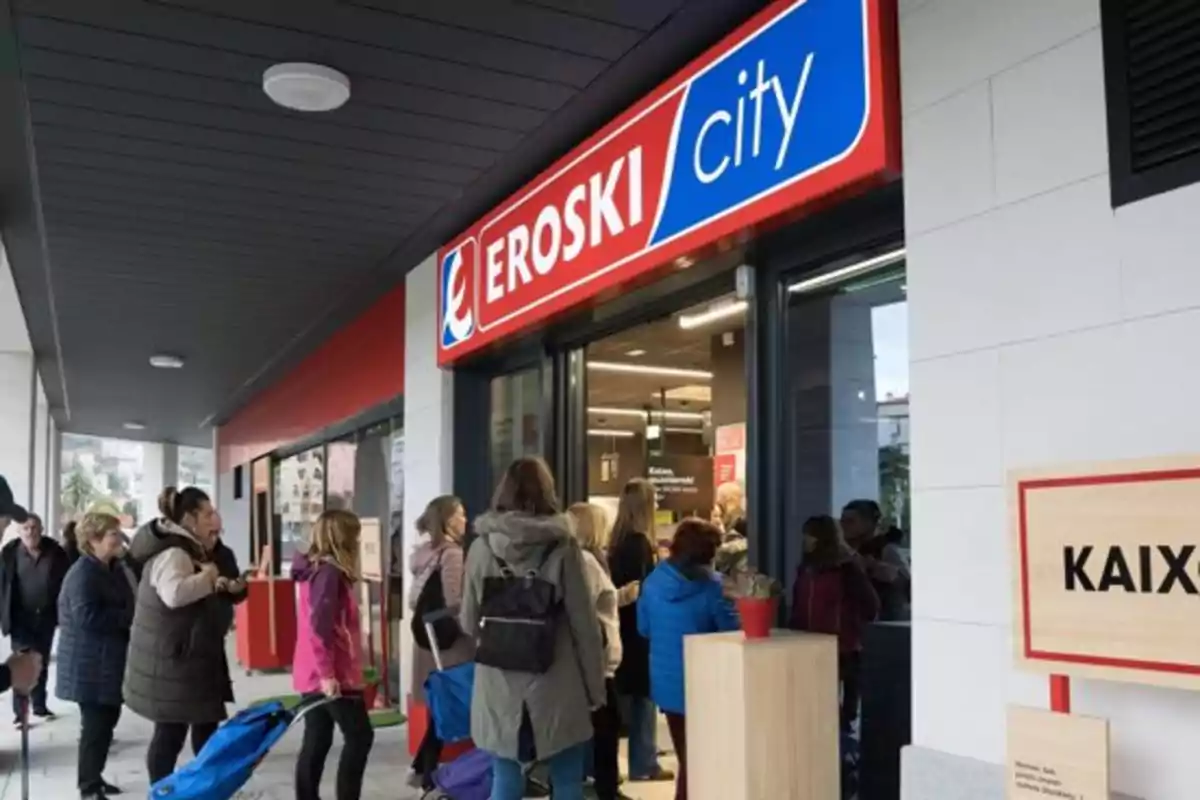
column 53, row 751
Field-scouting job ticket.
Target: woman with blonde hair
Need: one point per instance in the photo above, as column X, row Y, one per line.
column 592, row 532
column 95, row 612
column 437, row 568
column 632, row 556
column 328, row 658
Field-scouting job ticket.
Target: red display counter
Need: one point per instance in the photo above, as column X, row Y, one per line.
column 266, row 625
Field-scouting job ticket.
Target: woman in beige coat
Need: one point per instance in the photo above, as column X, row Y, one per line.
column 445, row 523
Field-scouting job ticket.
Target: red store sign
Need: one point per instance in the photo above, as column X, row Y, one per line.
column 796, row 105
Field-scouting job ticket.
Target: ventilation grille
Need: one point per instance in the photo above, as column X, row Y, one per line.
column 1162, row 40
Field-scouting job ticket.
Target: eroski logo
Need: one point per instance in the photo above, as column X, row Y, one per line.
column 458, row 319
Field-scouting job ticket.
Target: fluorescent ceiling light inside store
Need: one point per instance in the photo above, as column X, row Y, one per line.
column 641, row 413
column 690, row 321
column 619, row 434
column 647, row 369
column 856, row 270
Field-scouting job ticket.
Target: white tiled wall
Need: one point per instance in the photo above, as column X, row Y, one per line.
column 1045, row 328
column 428, row 415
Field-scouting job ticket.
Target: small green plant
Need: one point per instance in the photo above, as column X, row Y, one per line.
column 370, row 676
column 748, row 582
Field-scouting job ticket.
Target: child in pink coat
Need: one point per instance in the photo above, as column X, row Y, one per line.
column 328, row 658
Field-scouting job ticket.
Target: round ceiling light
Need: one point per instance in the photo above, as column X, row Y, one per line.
column 165, row 361
column 134, row 426
column 306, row 87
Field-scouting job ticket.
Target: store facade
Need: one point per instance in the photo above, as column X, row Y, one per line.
column 636, row 310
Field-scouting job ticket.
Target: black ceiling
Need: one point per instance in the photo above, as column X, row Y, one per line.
column 152, row 199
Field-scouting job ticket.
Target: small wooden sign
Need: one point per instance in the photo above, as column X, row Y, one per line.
column 1056, row 756
column 1107, row 567
column 370, row 550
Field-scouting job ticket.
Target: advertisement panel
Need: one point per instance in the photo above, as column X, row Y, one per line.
column 796, row 106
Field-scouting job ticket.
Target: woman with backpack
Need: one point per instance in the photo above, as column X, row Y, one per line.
column 632, row 556
column 834, row 595
column 540, row 657
column 437, row 568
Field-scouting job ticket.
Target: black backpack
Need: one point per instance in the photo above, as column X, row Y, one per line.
column 518, row 619
column 430, row 601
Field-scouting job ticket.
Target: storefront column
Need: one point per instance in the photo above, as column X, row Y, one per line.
column 18, row 394
column 428, row 415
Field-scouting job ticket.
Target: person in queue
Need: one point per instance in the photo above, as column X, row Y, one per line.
column 632, row 556
column 21, row 671
column 592, row 531
column 95, row 612
column 444, row 522
column 524, row 716
column 328, row 657
column 833, row 595
column 231, row 585
column 883, row 560
column 32, row 569
column 177, row 675
column 69, row 542
column 683, row 596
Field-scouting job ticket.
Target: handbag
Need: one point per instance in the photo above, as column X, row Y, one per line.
column 431, row 608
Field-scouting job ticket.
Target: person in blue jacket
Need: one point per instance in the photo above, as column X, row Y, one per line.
column 682, row 596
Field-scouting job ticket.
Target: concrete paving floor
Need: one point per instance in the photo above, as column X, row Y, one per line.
column 53, row 756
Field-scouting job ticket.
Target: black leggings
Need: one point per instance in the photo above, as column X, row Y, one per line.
column 350, row 715
column 428, row 757
column 606, row 722
column 167, row 743
column 95, row 738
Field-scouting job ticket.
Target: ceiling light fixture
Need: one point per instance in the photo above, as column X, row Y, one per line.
column 641, row 413
column 647, row 369
column 636, row 353
column 166, row 361
column 306, row 87
column 134, row 426
column 618, row 434
column 716, row 313
column 692, row 431
column 855, row 270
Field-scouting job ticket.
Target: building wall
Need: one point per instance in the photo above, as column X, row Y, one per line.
column 429, row 418
column 1045, row 327
column 359, row 366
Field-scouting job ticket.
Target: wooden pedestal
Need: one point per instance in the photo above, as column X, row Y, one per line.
column 266, row 629
column 762, row 717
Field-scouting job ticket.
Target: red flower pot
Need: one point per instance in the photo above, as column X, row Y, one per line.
column 370, row 692
column 758, row 615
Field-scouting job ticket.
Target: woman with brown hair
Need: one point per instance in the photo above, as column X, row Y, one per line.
column 539, row 657
column 682, row 597
column 95, row 612
column 631, row 559
column 437, row 568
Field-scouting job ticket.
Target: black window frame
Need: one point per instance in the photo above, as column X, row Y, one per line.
column 1128, row 185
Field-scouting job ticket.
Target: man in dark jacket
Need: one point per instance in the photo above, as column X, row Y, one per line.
column 32, row 569
column 22, row 669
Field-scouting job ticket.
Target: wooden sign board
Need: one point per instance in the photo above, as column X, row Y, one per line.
column 370, row 550
column 1107, row 568
column 1056, row 755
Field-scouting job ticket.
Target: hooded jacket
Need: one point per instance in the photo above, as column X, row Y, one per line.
column 558, row 701
column 328, row 630
column 675, row 603
column 176, row 670
column 451, row 560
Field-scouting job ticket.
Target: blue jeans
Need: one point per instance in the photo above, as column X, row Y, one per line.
column 641, row 718
column 566, row 776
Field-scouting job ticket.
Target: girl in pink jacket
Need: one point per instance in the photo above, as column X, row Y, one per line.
column 329, row 656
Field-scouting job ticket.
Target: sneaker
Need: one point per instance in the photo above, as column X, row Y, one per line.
column 413, row 779
column 45, row 713
column 110, row 789
column 662, row 775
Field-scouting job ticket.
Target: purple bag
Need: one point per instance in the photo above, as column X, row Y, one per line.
column 468, row 777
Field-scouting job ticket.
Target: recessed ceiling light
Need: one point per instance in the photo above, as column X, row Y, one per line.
column 306, row 87
column 134, row 426
column 615, row 433
column 646, row 369
column 636, row 353
column 166, row 361
column 641, row 413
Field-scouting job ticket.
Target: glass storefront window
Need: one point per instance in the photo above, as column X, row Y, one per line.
column 846, row 414
column 299, row 499
column 195, row 468
column 516, row 421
